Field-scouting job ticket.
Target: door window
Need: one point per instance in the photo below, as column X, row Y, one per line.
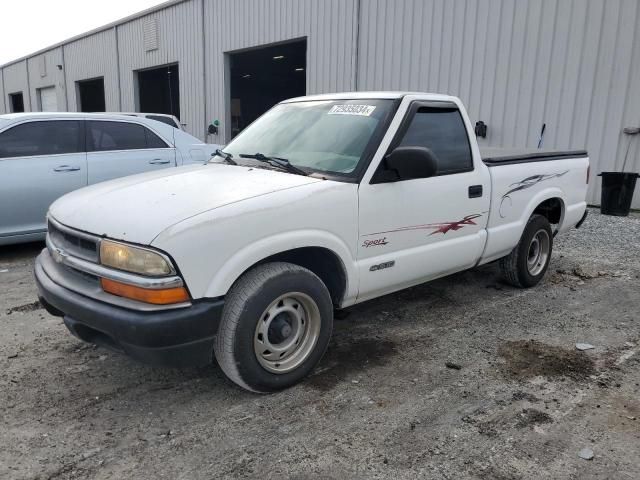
column 166, row 120
column 442, row 130
column 153, row 140
column 106, row 136
column 41, row 138
column 109, row 136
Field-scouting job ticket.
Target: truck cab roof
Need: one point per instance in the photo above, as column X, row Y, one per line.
column 391, row 95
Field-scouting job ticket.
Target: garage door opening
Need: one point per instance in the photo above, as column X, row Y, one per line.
column 16, row 102
column 262, row 77
column 91, row 95
column 159, row 90
column 47, row 99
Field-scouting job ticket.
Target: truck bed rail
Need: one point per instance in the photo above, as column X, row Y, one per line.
column 494, row 157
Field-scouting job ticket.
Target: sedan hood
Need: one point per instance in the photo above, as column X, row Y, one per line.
column 137, row 208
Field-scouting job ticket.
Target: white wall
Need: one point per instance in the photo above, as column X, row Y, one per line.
column 329, row 26
column 93, row 57
column 16, row 80
column 180, row 40
column 43, row 72
column 574, row 65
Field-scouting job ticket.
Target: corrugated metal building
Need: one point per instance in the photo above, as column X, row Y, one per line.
column 573, row 65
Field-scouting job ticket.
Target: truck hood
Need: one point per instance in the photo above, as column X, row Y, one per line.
column 137, row 208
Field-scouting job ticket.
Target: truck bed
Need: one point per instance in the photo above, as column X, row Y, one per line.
column 532, row 178
column 494, row 157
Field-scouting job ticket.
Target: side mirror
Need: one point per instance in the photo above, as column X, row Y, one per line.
column 481, row 129
column 412, row 162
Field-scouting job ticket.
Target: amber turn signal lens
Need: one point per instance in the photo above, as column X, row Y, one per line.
column 165, row 296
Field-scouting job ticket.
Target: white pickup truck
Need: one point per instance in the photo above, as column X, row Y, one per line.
column 323, row 202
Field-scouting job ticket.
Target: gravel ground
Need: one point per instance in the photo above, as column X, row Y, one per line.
column 464, row 377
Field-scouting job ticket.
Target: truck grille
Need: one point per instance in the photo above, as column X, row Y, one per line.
column 75, row 243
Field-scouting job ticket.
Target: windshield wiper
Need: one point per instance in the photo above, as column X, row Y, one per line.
column 276, row 162
column 227, row 157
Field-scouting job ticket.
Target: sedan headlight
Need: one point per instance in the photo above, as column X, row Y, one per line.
column 134, row 259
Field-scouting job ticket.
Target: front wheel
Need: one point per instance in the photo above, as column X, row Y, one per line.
column 275, row 327
column 528, row 262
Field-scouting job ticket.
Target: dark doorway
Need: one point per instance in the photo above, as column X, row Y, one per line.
column 159, row 90
column 17, row 102
column 262, row 77
column 91, row 94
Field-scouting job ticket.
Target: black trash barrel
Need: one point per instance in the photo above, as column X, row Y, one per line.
column 617, row 192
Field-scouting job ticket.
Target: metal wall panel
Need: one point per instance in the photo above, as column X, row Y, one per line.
column 43, row 73
column 328, row 25
column 572, row 64
column 179, row 40
column 93, row 57
column 16, row 80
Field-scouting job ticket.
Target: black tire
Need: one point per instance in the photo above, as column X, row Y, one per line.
column 515, row 267
column 246, row 304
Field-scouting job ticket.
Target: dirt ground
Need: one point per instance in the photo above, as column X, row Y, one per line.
column 464, row 377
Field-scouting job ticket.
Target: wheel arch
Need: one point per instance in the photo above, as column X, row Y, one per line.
column 548, row 203
column 320, row 260
column 552, row 208
column 324, row 254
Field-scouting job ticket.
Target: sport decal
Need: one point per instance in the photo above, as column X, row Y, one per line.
column 443, row 227
column 375, row 243
column 506, row 202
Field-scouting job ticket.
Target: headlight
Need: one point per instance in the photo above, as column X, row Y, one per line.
column 134, row 259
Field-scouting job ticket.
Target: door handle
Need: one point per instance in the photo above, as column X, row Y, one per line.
column 475, row 191
column 66, row 168
column 158, row 161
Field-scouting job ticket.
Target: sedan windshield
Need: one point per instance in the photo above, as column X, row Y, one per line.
column 317, row 136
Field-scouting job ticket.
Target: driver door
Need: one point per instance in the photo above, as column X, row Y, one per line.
column 412, row 231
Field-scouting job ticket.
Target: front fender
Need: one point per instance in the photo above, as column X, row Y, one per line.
column 253, row 253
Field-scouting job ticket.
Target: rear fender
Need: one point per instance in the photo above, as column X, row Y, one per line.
column 541, row 197
column 502, row 238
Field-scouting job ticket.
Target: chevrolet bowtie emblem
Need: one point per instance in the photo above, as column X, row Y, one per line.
column 58, row 254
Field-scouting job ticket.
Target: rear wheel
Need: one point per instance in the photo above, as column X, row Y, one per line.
column 275, row 327
column 528, row 262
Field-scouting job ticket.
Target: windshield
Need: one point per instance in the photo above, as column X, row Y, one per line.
column 323, row 136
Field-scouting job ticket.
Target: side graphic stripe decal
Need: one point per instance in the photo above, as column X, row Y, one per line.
column 443, row 227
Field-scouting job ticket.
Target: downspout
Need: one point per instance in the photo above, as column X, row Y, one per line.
column 204, row 74
column 4, row 91
column 115, row 33
column 26, row 62
column 64, row 79
column 357, row 46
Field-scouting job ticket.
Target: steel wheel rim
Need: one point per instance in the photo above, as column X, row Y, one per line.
column 287, row 332
column 538, row 252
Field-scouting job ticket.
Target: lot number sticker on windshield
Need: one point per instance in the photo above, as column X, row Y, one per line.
column 362, row 110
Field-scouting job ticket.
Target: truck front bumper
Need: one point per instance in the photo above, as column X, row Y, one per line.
column 178, row 337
